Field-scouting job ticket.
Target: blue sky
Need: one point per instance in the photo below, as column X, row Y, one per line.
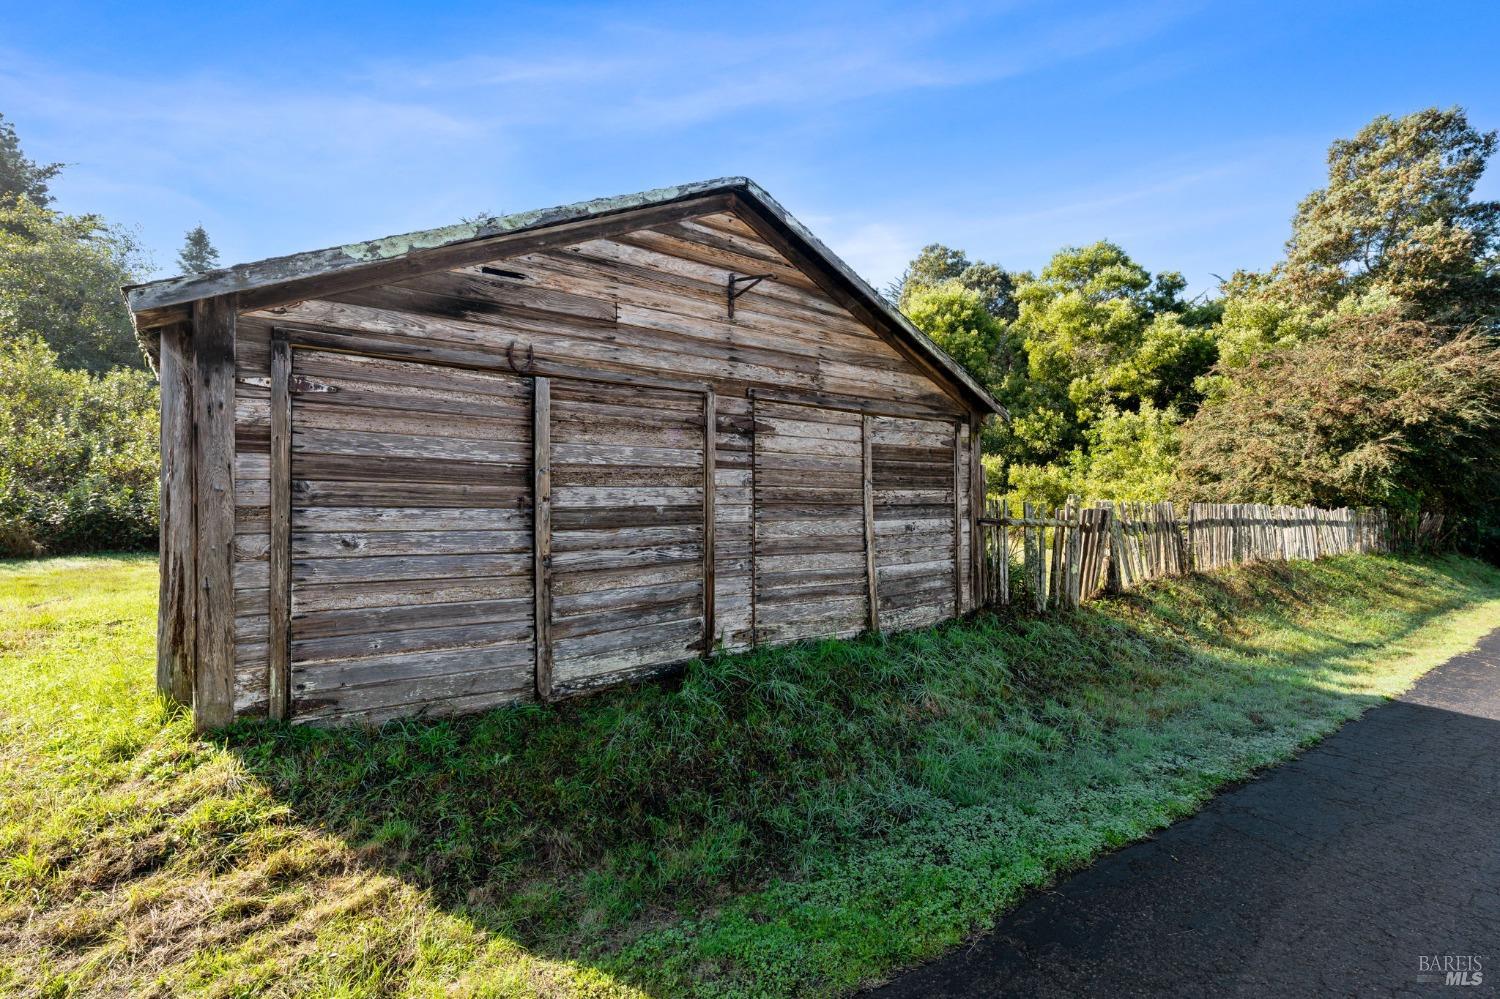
column 1187, row 132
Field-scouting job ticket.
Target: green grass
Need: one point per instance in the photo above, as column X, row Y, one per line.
column 787, row 822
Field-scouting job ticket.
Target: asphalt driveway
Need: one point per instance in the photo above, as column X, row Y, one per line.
column 1356, row 869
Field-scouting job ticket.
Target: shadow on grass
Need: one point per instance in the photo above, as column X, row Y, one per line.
column 573, row 829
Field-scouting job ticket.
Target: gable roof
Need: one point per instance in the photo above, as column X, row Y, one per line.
column 158, row 303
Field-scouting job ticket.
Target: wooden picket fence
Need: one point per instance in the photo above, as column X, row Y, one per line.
column 1063, row 557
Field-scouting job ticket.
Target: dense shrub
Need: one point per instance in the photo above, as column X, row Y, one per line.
column 78, row 455
column 1380, row 411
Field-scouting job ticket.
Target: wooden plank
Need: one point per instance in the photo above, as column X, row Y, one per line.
column 872, row 599
column 333, row 675
column 958, row 516
column 361, row 544
column 308, row 650
column 328, row 375
column 213, row 407
column 565, row 605
column 418, row 471
column 175, row 630
column 393, row 567
column 710, row 434
column 755, row 506
column 445, row 495
column 404, row 520
column 976, row 508
column 414, row 617
column 278, row 674
column 541, row 464
column 441, row 355
column 382, row 443
column 853, row 404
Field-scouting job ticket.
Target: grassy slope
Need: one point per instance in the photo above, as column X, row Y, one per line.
column 791, row 821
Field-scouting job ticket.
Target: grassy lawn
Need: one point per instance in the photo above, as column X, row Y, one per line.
column 796, row 821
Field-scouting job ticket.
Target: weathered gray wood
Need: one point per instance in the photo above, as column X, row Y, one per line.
column 976, row 509
column 541, row 435
column 278, row 676
column 312, row 598
column 361, row 544
column 756, row 498
column 958, row 516
column 853, row 404
column 343, row 675
column 461, row 358
column 872, row 598
column 630, row 501
column 710, row 488
column 213, row 407
column 175, row 630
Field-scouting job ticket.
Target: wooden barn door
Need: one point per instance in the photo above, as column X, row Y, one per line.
column 809, row 530
column 628, row 554
column 409, row 529
column 918, row 504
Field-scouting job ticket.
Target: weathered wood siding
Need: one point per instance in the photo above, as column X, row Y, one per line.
column 177, row 599
column 810, row 565
column 451, row 465
column 914, row 520
column 627, row 531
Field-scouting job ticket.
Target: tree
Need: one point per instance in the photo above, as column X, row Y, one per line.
column 1104, row 334
column 60, row 278
column 937, row 265
column 1114, row 358
column 1396, row 228
column 1125, row 456
column 19, row 176
column 1097, row 368
column 958, row 321
column 78, row 455
column 197, row 254
column 1398, row 216
column 1380, row 411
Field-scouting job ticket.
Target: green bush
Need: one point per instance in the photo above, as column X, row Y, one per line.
column 78, row 455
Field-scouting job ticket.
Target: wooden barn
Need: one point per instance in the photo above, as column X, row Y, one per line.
column 531, row 456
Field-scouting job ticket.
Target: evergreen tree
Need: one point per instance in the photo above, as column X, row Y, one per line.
column 197, row 254
column 19, row 176
column 1398, row 220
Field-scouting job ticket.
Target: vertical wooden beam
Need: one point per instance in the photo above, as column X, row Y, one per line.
column 175, row 632
column 958, row 518
column 754, row 520
column 976, row 510
column 279, row 662
column 541, row 524
column 710, row 442
column 213, row 417
column 872, row 590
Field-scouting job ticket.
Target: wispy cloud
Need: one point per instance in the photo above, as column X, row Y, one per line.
column 320, row 153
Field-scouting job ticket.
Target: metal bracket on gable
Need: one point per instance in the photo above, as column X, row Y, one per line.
column 739, row 284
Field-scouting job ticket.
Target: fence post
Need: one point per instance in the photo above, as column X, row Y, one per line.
column 1002, row 549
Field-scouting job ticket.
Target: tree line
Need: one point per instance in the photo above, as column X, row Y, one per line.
column 79, row 411
column 1360, row 370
